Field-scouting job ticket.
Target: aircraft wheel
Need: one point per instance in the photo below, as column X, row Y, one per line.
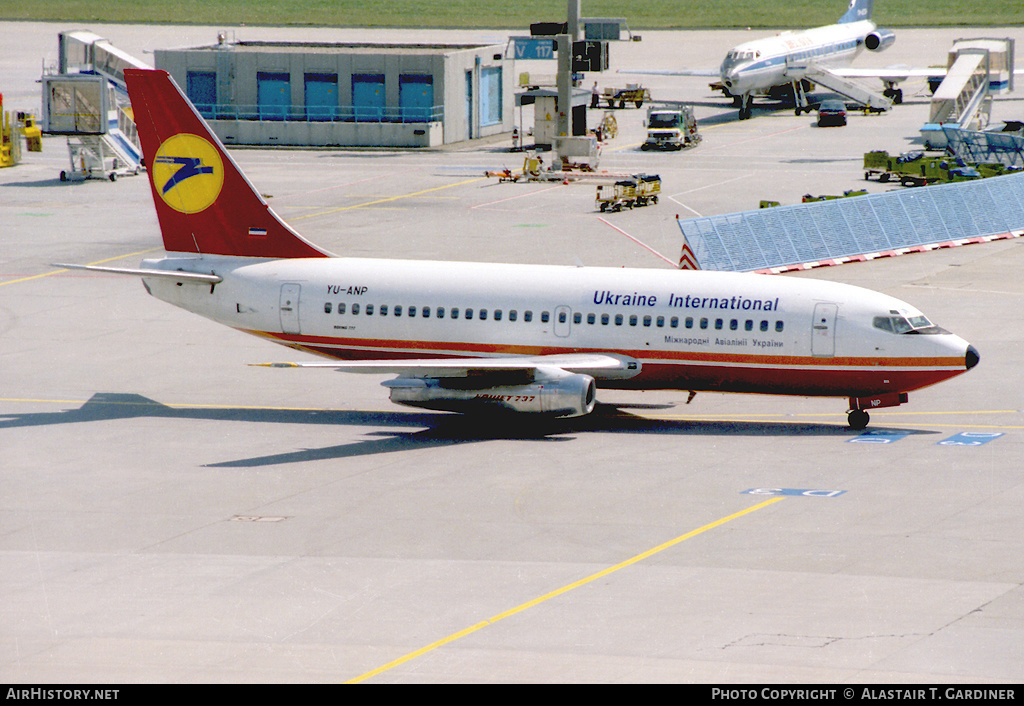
column 858, row 419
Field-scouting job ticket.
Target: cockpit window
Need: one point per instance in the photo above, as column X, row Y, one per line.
column 897, row 323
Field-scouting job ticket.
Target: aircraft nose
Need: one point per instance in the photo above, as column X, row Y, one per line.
column 971, row 358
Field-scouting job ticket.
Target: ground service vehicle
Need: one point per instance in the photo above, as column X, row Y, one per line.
column 670, row 129
column 917, row 169
column 618, row 97
column 627, row 193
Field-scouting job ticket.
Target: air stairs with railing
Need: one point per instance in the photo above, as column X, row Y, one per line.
column 977, row 69
column 85, row 99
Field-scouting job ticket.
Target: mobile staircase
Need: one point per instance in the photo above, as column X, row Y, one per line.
column 86, row 100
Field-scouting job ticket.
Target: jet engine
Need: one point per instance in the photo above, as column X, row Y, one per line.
column 880, row 39
column 569, row 395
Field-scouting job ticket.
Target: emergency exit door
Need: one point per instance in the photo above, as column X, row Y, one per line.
column 290, row 308
column 823, row 330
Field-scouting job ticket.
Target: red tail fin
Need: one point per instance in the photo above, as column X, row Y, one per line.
column 203, row 201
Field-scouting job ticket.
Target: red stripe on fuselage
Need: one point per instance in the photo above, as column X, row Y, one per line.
column 682, row 370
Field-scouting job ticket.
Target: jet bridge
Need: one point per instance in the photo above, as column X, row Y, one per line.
column 976, row 68
column 85, row 99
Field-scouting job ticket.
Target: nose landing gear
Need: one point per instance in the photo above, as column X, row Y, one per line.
column 857, row 418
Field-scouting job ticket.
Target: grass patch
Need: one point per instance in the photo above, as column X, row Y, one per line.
column 455, row 14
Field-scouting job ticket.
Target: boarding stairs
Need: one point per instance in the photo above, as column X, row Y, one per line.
column 85, row 99
column 962, row 94
column 849, row 89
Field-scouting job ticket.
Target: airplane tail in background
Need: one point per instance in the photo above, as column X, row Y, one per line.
column 204, row 203
column 858, row 10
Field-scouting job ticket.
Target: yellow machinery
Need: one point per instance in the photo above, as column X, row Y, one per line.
column 10, row 141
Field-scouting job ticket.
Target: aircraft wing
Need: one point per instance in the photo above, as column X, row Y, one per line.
column 600, row 366
column 710, row 73
column 889, row 73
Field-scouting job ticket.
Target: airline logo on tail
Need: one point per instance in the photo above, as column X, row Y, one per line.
column 188, row 173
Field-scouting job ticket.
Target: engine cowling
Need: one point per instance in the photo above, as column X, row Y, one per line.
column 880, row 40
column 571, row 395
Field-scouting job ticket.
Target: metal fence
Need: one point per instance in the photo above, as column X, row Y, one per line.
column 976, row 147
column 861, row 225
column 304, row 113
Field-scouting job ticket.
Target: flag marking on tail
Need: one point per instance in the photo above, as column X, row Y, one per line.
column 188, row 173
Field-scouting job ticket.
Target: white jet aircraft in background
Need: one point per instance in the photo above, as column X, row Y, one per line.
column 791, row 61
column 530, row 339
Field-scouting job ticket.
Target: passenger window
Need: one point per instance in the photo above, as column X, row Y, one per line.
column 703, row 323
column 689, row 322
column 469, row 313
column 341, row 307
column 497, row 314
column 398, row 309
column 718, row 324
column 577, row 318
column 562, row 317
column 618, row 319
column 440, row 312
column 604, row 319
column 482, row 315
column 591, row 318
column 779, row 326
column 412, row 312
column 734, row 324
column 328, row 307
column 748, row 325
column 355, row 309
column 527, row 316
column 674, row 322
column 764, row 326
column 426, row 312
column 632, row 320
column 513, row 315
column 369, row 309
column 383, row 309
column 455, row 312
column 544, row 317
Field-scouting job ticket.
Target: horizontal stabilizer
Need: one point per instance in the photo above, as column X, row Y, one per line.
column 196, row 277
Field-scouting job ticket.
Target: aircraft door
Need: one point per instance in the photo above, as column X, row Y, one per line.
column 823, row 330
column 563, row 321
column 290, row 308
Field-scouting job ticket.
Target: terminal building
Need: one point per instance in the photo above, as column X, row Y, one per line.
column 346, row 94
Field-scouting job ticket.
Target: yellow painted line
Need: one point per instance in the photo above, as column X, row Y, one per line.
column 98, row 262
column 387, row 200
column 558, row 592
column 801, row 418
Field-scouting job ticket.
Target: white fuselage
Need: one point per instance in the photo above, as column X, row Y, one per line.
column 692, row 330
column 759, row 65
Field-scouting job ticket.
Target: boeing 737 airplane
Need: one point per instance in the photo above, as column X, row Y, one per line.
column 533, row 339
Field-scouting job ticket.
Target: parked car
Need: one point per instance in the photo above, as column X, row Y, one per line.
column 831, row 112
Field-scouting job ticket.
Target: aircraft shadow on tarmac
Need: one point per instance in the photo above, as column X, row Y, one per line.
column 416, row 430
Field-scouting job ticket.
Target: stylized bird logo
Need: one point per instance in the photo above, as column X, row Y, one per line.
column 190, row 167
